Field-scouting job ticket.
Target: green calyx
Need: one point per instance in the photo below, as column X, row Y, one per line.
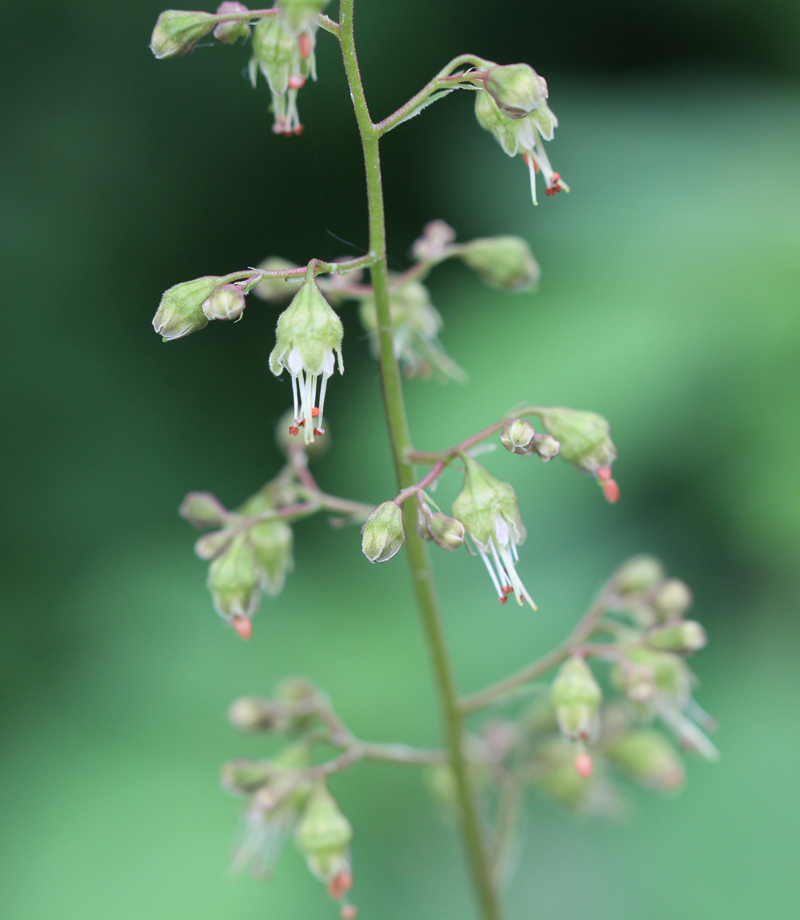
column 482, row 500
column 502, row 262
column 323, row 834
column 272, row 544
column 308, row 333
column 234, row 579
column 584, row 437
column 648, row 758
column 514, row 135
column 177, row 32
column 516, row 89
column 274, row 50
column 576, row 697
column 301, row 14
column 382, row 534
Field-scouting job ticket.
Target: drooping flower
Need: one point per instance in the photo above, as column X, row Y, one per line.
column 489, row 511
column 309, row 333
column 523, row 126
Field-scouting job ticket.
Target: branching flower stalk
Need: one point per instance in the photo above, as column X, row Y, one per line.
column 563, row 739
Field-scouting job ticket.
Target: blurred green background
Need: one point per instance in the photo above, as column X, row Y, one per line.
column 669, row 302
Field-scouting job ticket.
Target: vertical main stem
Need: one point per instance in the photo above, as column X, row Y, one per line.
column 422, row 573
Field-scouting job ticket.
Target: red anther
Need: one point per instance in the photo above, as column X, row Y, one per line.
column 302, row 423
column 314, row 412
column 298, row 130
column 349, row 912
column 583, row 764
column 556, row 178
column 611, row 491
column 319, row 432
column 507, row 589
column 294, row 430
column 549, row 192
column 604, row 473
column 503, row 598
column 243, row 626
column 340, row 884
column 288, row 133
column 304, row 45
column 297, row 82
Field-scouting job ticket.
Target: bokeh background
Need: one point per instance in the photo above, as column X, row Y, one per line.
column 669, row 302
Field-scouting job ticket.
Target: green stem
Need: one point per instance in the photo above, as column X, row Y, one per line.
column 397, row 423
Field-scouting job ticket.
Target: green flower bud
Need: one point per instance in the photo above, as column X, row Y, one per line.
column 416, row 324
column 226, row 302
column 272, row 542
column 234, row 580
column 672, row 599
column 686, row 636
column 243, row 775
column 446, row 532
column 323, row 835
column 648, row 758
column 668, row 673
column 576, row 697
column 584, row 437
column 638, row 574
column 251, row 714
column 382, row 534
column 232, row 29
column 489, row 511
column 308, row 334
column 210, row 545
column 181, row 309
column 557, row 777
column 275, row 290
column 301, row 14
column 203, row 510
column 517, row 436
column 516, row 88
column 546, row 447
column 502, row 262
column 178, row 31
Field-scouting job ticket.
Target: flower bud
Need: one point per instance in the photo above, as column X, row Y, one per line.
column 436, row 237
column 323, row 835
column 502, row 262
column 203, row 510
column 685, row 636
column 234, row 580
column 666, row 674
column 243, row 775
column 648, row 758
column 181, row 309
column 229, row 31
column 638, row 574
column 382, row 534
column 251, row 714
column 272, row 542
column 516, row 88
column 178, row 31
column 557, row 776
column 226, row 302
column 518, row 436
column 300, row 14
column 672, row 599
column 546, row 447
column 210, row 545
column 446, row 532
column 576, row 696
column 584, row 438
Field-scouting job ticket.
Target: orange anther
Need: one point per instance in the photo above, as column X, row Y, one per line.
column 503, row 598
column 340, row 884
column 507, row 589
column 294, row 430
column 314, row 412
column 243, row 626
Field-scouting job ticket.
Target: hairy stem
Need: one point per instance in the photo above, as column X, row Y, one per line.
column 397, row 423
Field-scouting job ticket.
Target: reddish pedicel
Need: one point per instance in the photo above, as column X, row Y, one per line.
column 243, row 626
column 583, row 764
